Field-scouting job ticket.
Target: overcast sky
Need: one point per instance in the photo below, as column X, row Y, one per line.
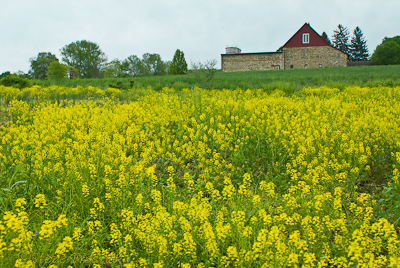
column 201, row 28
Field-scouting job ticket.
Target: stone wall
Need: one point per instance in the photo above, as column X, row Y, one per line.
column 251, row 61
column 313, row 57
column 360, row 63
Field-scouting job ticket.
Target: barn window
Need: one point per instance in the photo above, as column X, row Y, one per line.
column 306, row 66
column 291, row 66
column 320, row 65
column 306, row 38
column 277, row 67
column 338, row 55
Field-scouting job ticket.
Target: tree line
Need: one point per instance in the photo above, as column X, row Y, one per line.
column 85, row 59
column 388, row 52
column 356, row 46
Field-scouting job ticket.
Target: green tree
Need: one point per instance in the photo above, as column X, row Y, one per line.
column 340, row 39
column 178, row 64
column 40, row 64
column 72, row 73
column 85, row 56
column 153, row 65
column 388, row 52
column 5, row 74
column 326, row 38
column 132, row 66
column 358, row 49
column 57, row 70
column 204, row 72
column 113, row 69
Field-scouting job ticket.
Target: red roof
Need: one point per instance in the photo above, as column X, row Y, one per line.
column 314, row 39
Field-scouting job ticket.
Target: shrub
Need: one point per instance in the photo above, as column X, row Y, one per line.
column 14, row 81
column 204, row 72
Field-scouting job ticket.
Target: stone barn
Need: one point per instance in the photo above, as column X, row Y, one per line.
column 305, row 49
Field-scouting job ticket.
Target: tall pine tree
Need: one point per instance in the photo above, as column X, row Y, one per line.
column 340, row 39
column 358, row 49
column 326, row 38
column 178, row 64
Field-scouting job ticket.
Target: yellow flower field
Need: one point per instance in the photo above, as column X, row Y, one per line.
column 200, row 178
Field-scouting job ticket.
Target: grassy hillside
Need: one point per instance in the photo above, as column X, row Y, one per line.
column 286, row 80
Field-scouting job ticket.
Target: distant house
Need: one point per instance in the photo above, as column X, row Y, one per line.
column 306, row 49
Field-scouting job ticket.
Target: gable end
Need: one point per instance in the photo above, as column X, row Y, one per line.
column 306, row 37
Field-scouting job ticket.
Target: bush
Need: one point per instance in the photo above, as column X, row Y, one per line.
column 204, row 72
column 14, row 81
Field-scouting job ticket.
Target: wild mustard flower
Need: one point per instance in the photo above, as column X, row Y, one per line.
column 20, row 203
column 256, row 200
column 77, row 234
column 47, row 229
column 156, row 196
column 256, row 178
column 85, row 190
column 40, row 201
column 24, row 264
column 65, row 246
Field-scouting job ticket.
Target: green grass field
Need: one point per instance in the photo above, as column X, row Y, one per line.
column 286, row 80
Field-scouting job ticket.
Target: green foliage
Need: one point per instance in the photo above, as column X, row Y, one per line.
column 132, row 66
column 326, row 38
column 73, row 73
column 40, row 64
column 204, row 72
column 123, row 85
column 178, row 64
column 289, row 80
column 389, row 202
column 113, row 69
column 85, row 56
column 57, row 70
column 340, row 39
column 388, row 52
column 14, row 81
column 358, row 47
column 5, row 74
column 153, row 65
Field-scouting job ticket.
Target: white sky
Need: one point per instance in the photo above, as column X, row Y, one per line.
column 201, row 28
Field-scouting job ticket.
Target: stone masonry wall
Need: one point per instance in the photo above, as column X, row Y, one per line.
column 251, row 61
column 313, row 57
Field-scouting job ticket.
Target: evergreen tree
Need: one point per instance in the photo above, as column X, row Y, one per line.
column 358, row 49
column 340, row 39
column 178, row 64
column 326, row 38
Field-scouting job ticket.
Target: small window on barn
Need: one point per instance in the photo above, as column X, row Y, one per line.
column 305, row 66
column 338, row 55
column 277, row 67
column 291, row 66
column 320, row 65
column 306, row 38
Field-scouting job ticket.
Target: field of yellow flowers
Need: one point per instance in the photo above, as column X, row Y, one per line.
column 200, row 178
